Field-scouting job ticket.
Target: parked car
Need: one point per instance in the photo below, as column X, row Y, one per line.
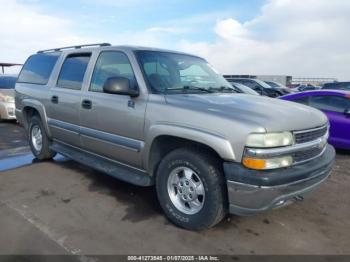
column 336, row 105
column 155, row 117
column 302, row 88
column 283, row 89
column 257, row 85
column 337, row 85
column 7, row 93
column 244, row 89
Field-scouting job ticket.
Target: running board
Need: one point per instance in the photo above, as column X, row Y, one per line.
column 114, row 169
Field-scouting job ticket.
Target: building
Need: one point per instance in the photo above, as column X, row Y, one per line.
column 288, row 80
column 283, row 79
column 316, row 81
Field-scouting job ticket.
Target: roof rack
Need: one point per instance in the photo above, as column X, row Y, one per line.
column 73, row 47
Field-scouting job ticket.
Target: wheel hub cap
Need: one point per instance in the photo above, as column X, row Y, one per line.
column 37, row 139
column 186, row 190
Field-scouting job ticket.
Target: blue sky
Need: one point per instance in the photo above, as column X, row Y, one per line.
column 301, row 38
column 109, row 17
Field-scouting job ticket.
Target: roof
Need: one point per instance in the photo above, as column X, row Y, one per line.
column 106, row 46
column 320, row 92
column 9, row 64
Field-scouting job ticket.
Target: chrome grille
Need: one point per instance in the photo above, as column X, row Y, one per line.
column 305, row 155
column 309, row 135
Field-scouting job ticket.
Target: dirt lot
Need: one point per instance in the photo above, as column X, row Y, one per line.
column 61, row 207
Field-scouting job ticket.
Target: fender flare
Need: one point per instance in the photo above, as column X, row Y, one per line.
column 218, row 143
column 40, row 108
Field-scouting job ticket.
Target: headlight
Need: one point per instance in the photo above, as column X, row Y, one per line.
column 7, row 99
column 270, row 140
column 270, row 163
column 10, row 99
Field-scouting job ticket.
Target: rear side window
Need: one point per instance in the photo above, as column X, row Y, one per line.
column 330, row 103
column 7, row 82
column 38, row 68
column 73, row 71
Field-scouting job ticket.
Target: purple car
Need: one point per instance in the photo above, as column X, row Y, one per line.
column 336, row 105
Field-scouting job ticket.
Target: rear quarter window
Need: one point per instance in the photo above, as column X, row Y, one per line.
column 38, row 68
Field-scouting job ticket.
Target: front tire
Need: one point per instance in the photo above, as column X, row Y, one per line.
column 38, row 139
column 191, row 189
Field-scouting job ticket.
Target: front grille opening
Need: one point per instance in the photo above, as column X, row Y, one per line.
column 307, row 154
column 307, row 136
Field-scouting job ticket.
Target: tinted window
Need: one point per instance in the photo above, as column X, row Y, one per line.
column 7, row 82
column 111, row 64
column 302, row 100
column 73, row 71
column 38, row 68
column 330, row 103
column 245, row 82
column 272, row 84
column 337, row 85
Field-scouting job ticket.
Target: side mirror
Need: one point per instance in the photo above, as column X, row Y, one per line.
column 119, row 86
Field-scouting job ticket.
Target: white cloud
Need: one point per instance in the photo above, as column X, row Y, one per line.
column 300, row 38
column 230, row 29
column 25, row 28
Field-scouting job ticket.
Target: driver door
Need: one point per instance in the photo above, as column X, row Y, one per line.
column 111, row 124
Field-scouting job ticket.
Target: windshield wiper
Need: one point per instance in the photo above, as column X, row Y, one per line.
column 189, row 87
column 224, row 88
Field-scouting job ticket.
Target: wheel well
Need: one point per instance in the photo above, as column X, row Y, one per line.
column 162, row 145
column 28, row 113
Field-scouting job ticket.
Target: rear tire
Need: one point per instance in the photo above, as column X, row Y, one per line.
column 38, row 139
column 191, row 189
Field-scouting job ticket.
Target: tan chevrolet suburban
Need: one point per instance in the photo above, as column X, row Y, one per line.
column 157, row 117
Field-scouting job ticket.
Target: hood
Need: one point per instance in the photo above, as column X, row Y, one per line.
column 272, row 114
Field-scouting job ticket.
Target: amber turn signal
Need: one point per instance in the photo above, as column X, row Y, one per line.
column 254, row 163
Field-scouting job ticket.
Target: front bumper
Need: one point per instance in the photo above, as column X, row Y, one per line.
column 253, row 191
column 7, row 110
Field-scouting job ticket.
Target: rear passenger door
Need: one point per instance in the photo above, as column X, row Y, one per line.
column 65, row 99
column 112, row 125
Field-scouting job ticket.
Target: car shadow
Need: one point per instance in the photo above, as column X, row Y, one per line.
column 343, row 152
column 142, row 203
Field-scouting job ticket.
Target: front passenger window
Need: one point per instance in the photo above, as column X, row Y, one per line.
column 111, row 64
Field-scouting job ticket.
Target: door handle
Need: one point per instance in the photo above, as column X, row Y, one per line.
column 54, row 99
column 87, row 104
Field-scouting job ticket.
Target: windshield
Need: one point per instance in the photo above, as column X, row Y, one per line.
column 272, row 84
column 245, row 89
column 262, row 83
column 170, row 73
